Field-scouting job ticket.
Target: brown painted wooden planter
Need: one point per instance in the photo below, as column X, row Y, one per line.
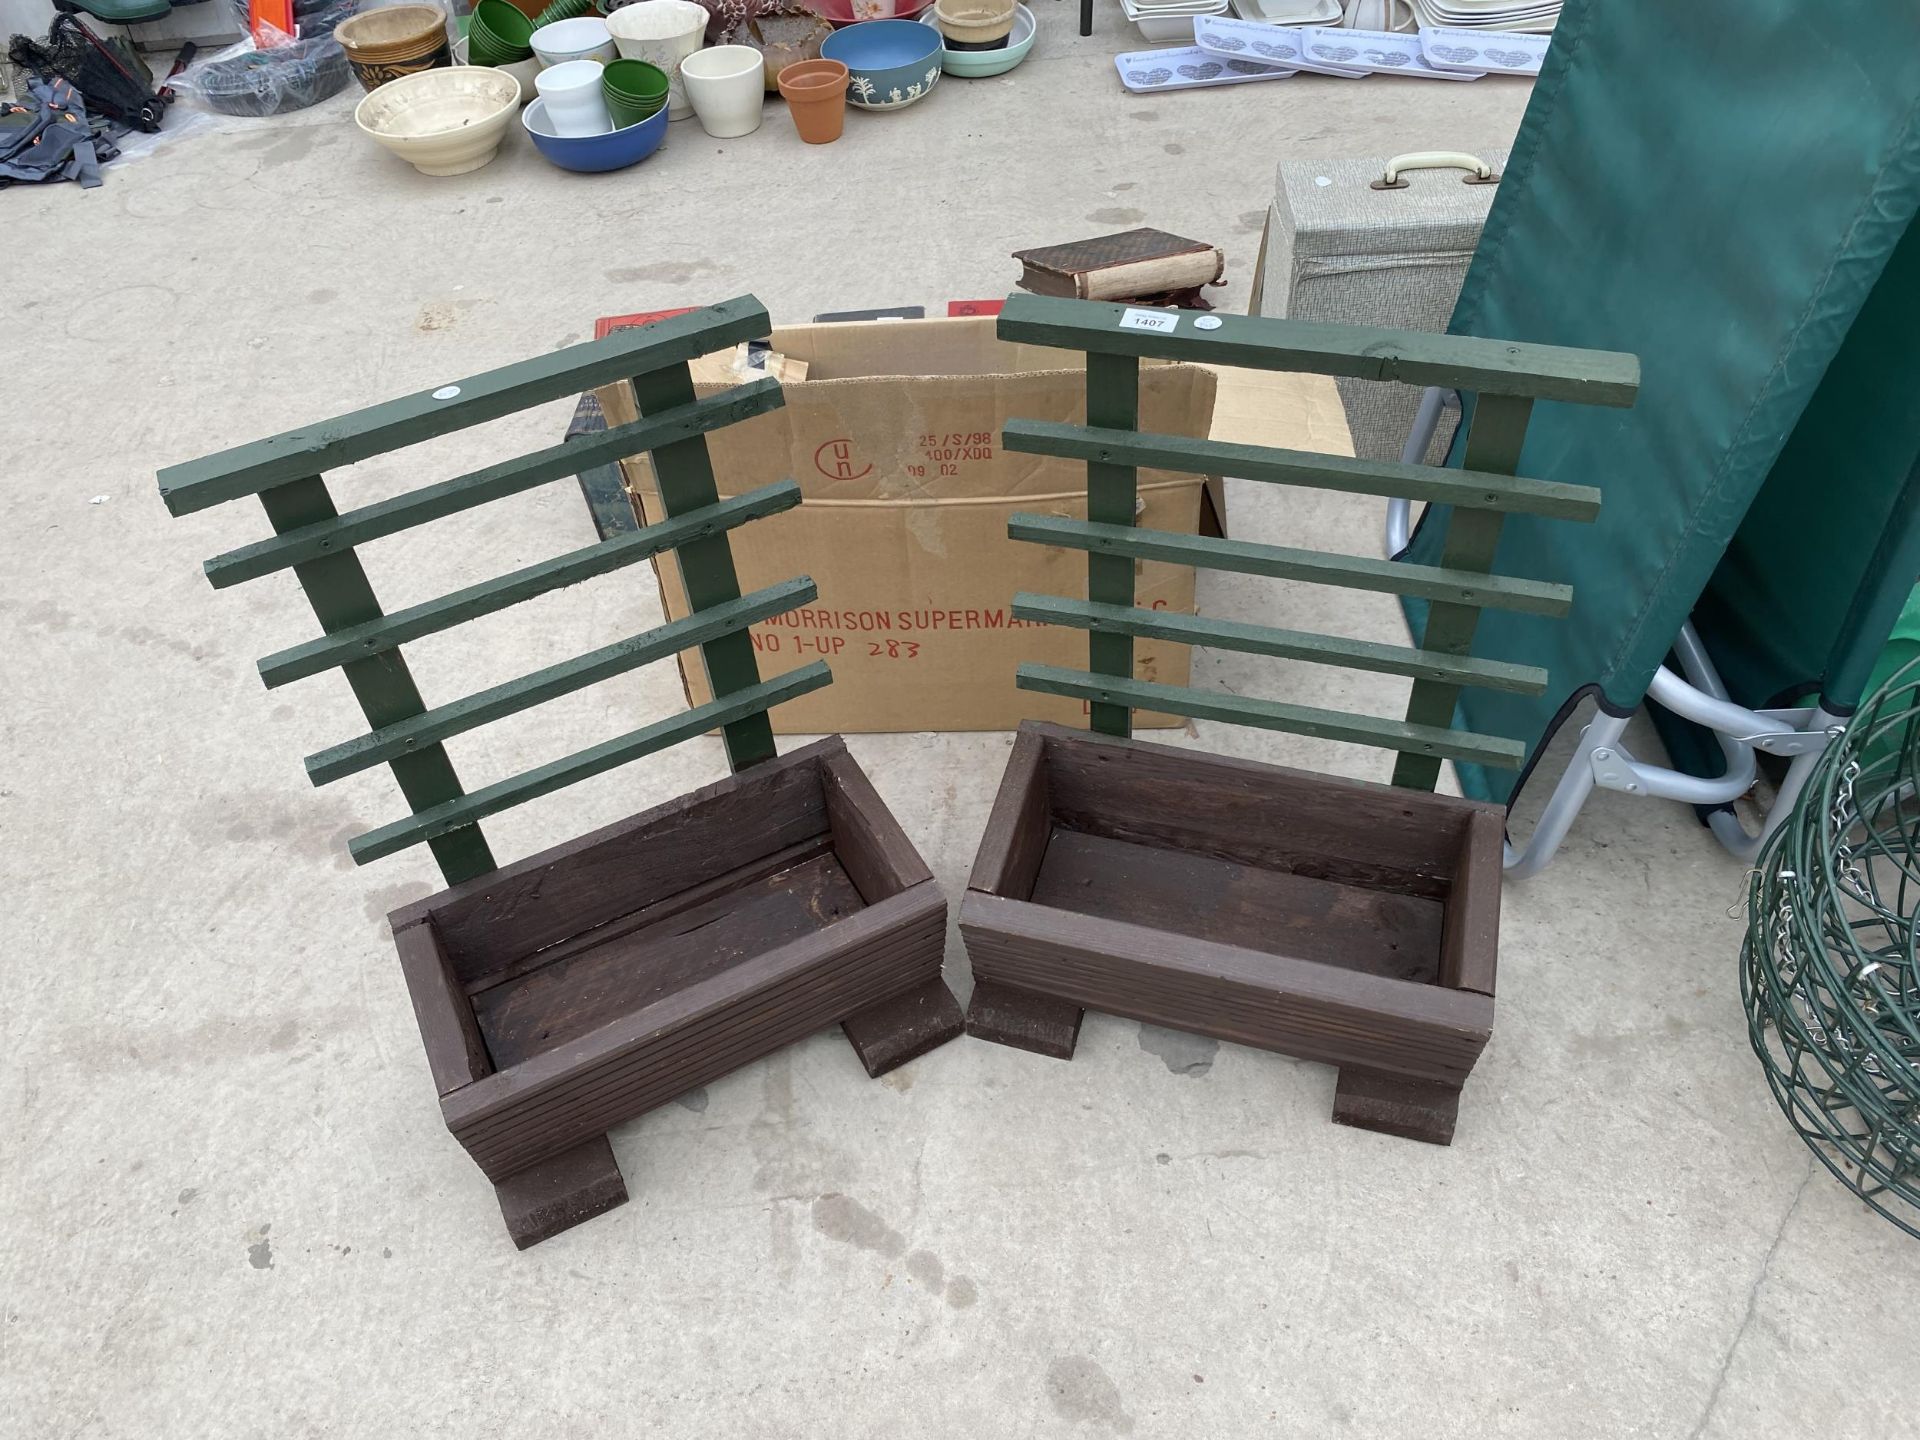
column 1329, row 919
column 592, row 982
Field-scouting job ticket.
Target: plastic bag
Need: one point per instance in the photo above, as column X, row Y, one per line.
column 244, row 79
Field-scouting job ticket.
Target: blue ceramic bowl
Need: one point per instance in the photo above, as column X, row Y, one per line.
column 890, row 63
column 590, row 153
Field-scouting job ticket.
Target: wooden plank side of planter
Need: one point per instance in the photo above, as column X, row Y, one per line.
column 1350, row 831
column 518, row 1117
column 1179, row 893
column 556, row 894
column 1296, row 1007
column 878, row 857
column 1470, row 946
column 546, row 1006
column 1016, row 836
column 456, row 1055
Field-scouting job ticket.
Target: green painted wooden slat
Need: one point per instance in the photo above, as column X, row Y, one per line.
column 248, row 469
column 496, row 482
column 1113, row 490
column 359, row 641
column 1284, row 644
column 342, row 597
column 513, row 696
column 1273, row 715
column 1545, row 372
column 1498, row 432
column 492, row 799
column 684, row 474
column 1465, row 488
column 1348, row 571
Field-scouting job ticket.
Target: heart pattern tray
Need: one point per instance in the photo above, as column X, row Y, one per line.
column 1493, row 52
column 1375, row 52
column 1188, row 68
column 1264, row 45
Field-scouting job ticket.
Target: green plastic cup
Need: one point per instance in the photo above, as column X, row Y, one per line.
column 634, row 80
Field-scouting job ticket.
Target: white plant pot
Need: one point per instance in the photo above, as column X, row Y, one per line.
column 575, row 105
column 727, row 86
column 663, row 33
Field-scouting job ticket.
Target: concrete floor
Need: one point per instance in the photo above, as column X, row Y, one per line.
column 229, row 1203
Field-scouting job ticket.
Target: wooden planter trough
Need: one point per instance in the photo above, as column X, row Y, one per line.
column 581, row 987
column 1329, row 919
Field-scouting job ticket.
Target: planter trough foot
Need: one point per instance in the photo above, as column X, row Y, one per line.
column 558, row 1194
column 1395, row 1105
column 888, row 1035
column 1024, row 1020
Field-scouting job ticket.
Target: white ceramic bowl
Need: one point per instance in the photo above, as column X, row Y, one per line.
column 584, row 37
column 442, row 122
column 521, row 70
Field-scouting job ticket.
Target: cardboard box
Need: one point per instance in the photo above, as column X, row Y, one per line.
column 894, row 439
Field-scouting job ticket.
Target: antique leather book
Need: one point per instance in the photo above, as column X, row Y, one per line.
column 1120, row 267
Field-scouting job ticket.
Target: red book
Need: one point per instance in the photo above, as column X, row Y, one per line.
column 607, row 324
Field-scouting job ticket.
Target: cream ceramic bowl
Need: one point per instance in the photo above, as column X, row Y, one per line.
column 442, row 122
column 521, row 70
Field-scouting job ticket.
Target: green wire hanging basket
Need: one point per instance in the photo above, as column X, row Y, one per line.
column 1830, row 976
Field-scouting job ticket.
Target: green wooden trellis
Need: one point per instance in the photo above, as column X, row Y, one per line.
column 317, row 542
column 1507, row 377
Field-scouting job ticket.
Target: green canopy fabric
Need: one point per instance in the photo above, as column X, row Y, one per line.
column 1726, row 194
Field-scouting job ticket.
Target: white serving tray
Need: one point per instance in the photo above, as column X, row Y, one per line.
column 1376, row 52
column 1150, row 71
column 1275, row 45
column 1493, row 52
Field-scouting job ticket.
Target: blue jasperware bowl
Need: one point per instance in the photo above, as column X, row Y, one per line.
column 615, row 150
column 890, row 63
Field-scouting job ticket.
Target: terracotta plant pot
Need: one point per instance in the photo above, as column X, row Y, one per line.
column 816, row 94
column 974, row 24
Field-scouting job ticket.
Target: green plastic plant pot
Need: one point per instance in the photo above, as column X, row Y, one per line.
column 503, row 25
column 627, row 112
column 635, row 80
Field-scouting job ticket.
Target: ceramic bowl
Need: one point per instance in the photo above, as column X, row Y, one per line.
column 521, row 70
column 975, row 64
column 590, row 153
column 372, row 74
column 442, row 122
column 841, row 13
column 890, row 63
column 391, row 32
column 583, row 38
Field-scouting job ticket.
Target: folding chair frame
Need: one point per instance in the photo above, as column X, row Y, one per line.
column 1600, row 760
